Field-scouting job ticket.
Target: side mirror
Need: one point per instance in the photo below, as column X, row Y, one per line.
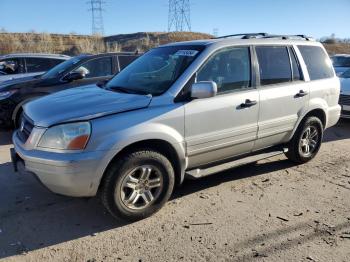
column 72, row 76
column 204, row 89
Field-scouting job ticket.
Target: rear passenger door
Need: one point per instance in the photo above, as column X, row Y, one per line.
column 283, row 94
column 225, row 125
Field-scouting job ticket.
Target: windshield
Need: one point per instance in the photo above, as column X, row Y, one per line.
column 57, row 70
column 155, row 72
column 346, row 74
column 341, row 61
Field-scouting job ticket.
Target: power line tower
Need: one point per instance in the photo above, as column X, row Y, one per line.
column 96, row 8
column 179, row 17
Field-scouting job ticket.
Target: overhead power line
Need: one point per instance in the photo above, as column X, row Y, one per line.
column 179, row 17
column 96, row 8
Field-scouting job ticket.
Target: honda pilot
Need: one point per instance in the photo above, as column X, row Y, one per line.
column 188, row 109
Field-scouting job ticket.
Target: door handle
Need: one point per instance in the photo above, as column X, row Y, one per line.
column 301, row 93
column 248, row 103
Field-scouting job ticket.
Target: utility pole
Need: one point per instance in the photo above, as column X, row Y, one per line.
column 96, row 8
column 179, row 16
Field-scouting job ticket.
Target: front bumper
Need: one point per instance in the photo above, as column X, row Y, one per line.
column 70, row 174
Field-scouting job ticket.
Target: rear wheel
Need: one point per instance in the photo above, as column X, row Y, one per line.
column 138, row 185
column 306, row 141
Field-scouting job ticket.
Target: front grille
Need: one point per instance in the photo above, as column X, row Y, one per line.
column 344, row 100
column 25, row 128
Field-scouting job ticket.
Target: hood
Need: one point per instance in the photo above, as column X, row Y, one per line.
column 19, row 82
column 82, row 103
column 345, row 86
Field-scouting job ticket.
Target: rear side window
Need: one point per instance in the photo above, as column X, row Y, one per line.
column 317, row 62
column 274, row 64
column 38, row 64
column 295, row 66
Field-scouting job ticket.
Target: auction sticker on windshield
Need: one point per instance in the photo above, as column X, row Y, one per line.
column 186, row 52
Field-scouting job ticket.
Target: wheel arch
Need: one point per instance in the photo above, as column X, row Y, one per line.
column 19, row 106
column 162, row 146
column 318, row 112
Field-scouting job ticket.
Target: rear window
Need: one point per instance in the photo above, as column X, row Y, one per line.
column 274, row 64
column 341, row 61
column 317, row 62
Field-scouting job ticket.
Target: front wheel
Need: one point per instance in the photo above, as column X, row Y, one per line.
column 138, row 184
column 306, row 141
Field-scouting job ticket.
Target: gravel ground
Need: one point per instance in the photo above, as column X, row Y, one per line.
column 269, row 211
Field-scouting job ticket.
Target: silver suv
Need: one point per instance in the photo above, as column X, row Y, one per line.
column 188, row 109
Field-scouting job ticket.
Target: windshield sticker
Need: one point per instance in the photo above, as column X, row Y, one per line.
column 186, row 52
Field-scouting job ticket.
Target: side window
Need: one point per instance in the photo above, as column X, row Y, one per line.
column 125, row 60
column 229, row 69
column 317, row 62
column 96, row 67
column 295, row 66
column 274, row 64
column 55, row 62
column 10, row 66
column 37, row 64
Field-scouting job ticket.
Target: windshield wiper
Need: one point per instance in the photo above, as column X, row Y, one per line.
column 127, row 90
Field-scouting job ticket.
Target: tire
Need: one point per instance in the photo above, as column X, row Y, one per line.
column 302, row 139
column 137, row 177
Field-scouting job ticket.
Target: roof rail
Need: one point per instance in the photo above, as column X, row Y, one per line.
column 266, row 35
column 307, row 38
column 244, row 35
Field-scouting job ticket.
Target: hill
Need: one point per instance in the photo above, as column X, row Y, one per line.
column 75, row 44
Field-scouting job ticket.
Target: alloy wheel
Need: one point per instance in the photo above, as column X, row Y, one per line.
column 141, row 187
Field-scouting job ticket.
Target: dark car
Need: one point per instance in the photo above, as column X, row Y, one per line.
column 341, row 63
column 77, row 71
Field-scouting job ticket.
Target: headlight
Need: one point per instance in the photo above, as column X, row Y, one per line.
column 67, row 136
column 7, row 94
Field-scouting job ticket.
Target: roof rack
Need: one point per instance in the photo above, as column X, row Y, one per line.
column 244, row 35
column 307, row 38
column 266, row 35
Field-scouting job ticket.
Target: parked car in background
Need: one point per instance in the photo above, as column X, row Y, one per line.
column 77, row 71
column 341, row 63
column 184, row 109
column 22, row 65
column 344, row 99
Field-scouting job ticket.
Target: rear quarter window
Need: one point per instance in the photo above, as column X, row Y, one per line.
column 317, row 62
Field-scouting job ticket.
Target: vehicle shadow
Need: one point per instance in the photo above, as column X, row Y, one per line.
column 340, row 131
column 31, row 217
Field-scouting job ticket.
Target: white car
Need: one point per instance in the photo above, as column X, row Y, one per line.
column 344, row 99
column 14, row 66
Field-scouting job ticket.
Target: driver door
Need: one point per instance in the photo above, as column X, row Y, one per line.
column 225, row 125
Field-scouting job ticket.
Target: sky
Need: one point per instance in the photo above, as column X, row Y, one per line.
column 317, row 18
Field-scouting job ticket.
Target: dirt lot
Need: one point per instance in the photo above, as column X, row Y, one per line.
column 269, row 211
